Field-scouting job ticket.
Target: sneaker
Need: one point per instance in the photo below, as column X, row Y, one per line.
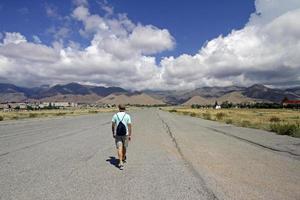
column 121, row 166
column 124, row 160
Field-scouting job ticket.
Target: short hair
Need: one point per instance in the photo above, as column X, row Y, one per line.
column 122, row 107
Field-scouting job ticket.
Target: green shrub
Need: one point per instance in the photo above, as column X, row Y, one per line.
column 93, row 111
column 285, row 129
column 193, row 114
column 228, row 121
column 274, row 119
column 33, row 115
column 206, row 116
column 245, row 123
column 220, row 115
column 173, row 110
column 60, row 114
column 15, row 117
column 1, row 118
column 185, row 113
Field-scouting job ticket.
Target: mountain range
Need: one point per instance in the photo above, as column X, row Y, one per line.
column 75, row 92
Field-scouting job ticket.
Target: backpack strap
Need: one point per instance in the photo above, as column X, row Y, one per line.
column 119, row 118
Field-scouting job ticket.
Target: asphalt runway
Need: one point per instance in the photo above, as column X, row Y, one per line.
column 170, row 157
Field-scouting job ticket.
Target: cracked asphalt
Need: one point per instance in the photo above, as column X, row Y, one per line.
column 170, row 157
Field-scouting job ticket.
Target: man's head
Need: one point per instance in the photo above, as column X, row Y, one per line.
column 122, row 107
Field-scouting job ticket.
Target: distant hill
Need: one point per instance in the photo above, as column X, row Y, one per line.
column 258, row 91
column 209, row 92
column 169, row 96
column 69, row 92
column 141, row 99
column 199, row 101
column 78, row 89
column 295, row 90
column 76, row 92
column 233, row 97
column 12, row 97
column 89, row 98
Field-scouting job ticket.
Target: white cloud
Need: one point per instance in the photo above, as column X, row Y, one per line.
column 106, row 7
column 264, row 51
column 268, row 10
column 59, row 33
column 122, row 38
column 149, row 39
column 36, row 39
column 14, row 38
column 81, row 13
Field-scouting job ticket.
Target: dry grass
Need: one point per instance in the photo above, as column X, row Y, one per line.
column 14, row 115
column 267, row 119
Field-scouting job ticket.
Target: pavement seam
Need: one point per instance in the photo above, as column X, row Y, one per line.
column 187, row 162
column 253, row 143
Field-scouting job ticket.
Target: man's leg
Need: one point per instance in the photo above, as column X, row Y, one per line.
column 119, row 145
column 120, row 153
column 125, row 145
column 124, row 153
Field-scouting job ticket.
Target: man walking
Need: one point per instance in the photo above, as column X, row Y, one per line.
column 121, row 130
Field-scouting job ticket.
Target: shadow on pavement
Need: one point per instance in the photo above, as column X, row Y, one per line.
column 113, row 161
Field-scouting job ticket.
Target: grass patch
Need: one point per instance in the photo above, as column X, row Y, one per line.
column 93, row 111
column 274, row 119
column 281, row 121
column 33, row 115
column 285, row 129
column 220, row 116
column 60, row 114
column 245, row 123
column 1, row 118
column 206, row 116
column 228, row 121
column 193, row 114
column 15, row 117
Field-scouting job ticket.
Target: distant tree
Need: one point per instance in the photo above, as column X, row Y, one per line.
column 216, row 103
column 28, row 107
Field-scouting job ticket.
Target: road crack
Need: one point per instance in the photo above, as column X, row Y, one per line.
column 254, row 143
column 188, row 164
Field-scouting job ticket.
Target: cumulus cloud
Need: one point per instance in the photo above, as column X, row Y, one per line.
column 264, row 51
column 14, row 38
column 122, row 53
column 116, row 55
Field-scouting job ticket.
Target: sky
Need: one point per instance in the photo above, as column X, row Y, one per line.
column 159, row 45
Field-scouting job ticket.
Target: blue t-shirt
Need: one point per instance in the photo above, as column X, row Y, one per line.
column 119, row 116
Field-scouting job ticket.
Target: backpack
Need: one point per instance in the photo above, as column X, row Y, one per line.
column 121, row 128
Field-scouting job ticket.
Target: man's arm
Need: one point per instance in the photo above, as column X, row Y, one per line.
column 113, row 124
column 129, row 131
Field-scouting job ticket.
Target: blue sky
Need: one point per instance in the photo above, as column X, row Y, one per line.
column 160, row 45
column 191, row 22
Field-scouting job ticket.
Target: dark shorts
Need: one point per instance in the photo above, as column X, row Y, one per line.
column 121, row 140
